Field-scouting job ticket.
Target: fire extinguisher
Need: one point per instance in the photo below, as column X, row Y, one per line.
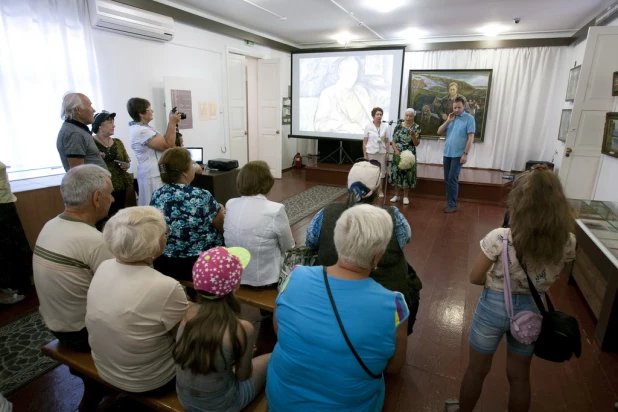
column 298, row 161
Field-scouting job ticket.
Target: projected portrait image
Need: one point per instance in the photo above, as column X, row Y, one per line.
column 338, row 93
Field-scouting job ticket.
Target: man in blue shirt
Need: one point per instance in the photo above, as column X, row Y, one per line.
column 459, row 129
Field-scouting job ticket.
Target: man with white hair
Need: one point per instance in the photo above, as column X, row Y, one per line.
column 75, row 143
column 69, row 250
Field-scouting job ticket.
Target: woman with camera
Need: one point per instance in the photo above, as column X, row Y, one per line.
column 116, row 159
column 148, row 144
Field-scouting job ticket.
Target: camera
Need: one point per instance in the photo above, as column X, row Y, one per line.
column 516, row 20
column 182, row 115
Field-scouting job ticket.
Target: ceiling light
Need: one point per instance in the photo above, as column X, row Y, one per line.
column 412, row 34
column 492, row 30
column 384, row 6
column 344, row 38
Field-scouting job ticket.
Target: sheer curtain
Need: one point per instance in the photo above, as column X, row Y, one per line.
column 46, row 50
column 525, row 103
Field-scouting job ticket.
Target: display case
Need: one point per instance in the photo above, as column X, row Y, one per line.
column 595, row 270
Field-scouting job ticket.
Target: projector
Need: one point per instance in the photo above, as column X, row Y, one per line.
column 222, row 164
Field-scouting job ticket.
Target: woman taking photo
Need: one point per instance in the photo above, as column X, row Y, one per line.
column 406, row 136
column 375, row 141
column 116, row 159
column 312, row 367
column 193, row 215
column 540, row 235
column 214, row 369
column 148, row 144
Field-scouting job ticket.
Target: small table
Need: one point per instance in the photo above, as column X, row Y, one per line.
column 221, row 184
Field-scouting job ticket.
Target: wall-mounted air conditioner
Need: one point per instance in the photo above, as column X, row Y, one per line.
column 123, row 19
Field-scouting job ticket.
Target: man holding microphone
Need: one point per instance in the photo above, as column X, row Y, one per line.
column 459, row 129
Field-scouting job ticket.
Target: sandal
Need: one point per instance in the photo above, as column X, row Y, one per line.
column 451, row 405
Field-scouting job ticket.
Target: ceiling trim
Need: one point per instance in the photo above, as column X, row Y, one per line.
column 207, row 24
column 492, row 44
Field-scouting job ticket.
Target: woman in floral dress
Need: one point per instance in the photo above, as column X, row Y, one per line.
column 406, row 136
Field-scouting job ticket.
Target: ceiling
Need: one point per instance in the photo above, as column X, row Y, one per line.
column 311, row 23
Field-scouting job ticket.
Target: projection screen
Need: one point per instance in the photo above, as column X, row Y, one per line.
column 333, row 92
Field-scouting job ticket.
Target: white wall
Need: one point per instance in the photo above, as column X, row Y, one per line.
column 132, row 67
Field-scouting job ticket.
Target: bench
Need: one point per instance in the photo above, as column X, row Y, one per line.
column 262, row 298
column 82, row 365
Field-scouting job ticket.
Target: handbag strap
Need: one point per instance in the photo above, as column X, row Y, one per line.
column 508, row 296
column 534, row 292
column 345, row 335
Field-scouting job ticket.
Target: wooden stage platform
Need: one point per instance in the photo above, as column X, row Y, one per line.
column 477, row 185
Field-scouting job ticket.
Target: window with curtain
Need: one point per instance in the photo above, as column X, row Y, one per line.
column 46, row 49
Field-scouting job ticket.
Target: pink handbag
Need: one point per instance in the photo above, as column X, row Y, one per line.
column 526, row 325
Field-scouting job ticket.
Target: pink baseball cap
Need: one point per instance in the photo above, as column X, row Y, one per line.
column 217, row 271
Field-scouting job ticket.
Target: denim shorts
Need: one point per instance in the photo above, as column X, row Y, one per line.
column 491, row 322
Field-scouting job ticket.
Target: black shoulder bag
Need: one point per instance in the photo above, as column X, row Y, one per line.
column 560, row 336
column 345, row 335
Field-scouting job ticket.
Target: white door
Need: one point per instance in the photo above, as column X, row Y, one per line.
column 269, row 114
column 237, row 103
column 581, row 164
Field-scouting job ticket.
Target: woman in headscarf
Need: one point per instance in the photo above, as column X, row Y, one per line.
column 406, row 136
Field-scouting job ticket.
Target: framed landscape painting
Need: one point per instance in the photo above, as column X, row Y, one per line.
column 610, row 137
column 431, row 94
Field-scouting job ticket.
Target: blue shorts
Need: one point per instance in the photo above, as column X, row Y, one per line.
column 491, row 322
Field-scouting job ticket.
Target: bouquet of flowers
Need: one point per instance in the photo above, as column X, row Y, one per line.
column 406, row 160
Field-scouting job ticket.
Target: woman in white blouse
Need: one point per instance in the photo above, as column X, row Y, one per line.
column 375, row 142
column 258, row 225
column 148, row 144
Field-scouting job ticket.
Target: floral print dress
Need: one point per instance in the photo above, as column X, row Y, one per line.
column 402, row 137
column 189, row 213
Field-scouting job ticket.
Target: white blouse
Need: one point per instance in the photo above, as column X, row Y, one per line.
column 262, row 227
column 373, row 134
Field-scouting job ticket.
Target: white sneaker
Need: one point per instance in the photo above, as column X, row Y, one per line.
column 395, row 199
column 406, row 201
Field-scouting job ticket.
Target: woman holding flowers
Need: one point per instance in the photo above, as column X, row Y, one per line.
column 406, row 136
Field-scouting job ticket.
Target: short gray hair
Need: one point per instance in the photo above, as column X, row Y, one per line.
column 70, row 102
column 81, row 182
column 133, row 234
column 361, row 233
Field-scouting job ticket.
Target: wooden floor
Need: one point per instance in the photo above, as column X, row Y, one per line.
column 442, row 250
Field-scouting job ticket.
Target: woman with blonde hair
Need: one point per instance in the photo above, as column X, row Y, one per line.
column 406, row 136
column 131, row 308
column 338, row 330
column 193, row 215
column 540, row 243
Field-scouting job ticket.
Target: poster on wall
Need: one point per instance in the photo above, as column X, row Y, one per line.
column 431, row 94
column 181, row 100
column 572, row 85
column 565, row 121
column 286, row 111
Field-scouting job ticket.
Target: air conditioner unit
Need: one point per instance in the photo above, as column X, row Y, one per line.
column 123, row 19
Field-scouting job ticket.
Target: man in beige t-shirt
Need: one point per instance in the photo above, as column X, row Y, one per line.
column 69, row 250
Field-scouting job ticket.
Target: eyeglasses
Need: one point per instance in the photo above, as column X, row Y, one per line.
column 168, row 232
column 150, row 110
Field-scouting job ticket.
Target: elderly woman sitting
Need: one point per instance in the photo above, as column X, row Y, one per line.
column 131, row 308
column 258, row 225
column 193, row 215
column 324, row 314
column 392, row 271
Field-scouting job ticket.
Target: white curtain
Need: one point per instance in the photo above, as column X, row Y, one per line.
column 526, row 98
column 46, row 50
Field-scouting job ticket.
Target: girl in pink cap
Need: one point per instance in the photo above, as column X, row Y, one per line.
column 213, row 351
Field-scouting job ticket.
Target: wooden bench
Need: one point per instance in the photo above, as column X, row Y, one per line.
column 257, row 297
column 82, row 365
